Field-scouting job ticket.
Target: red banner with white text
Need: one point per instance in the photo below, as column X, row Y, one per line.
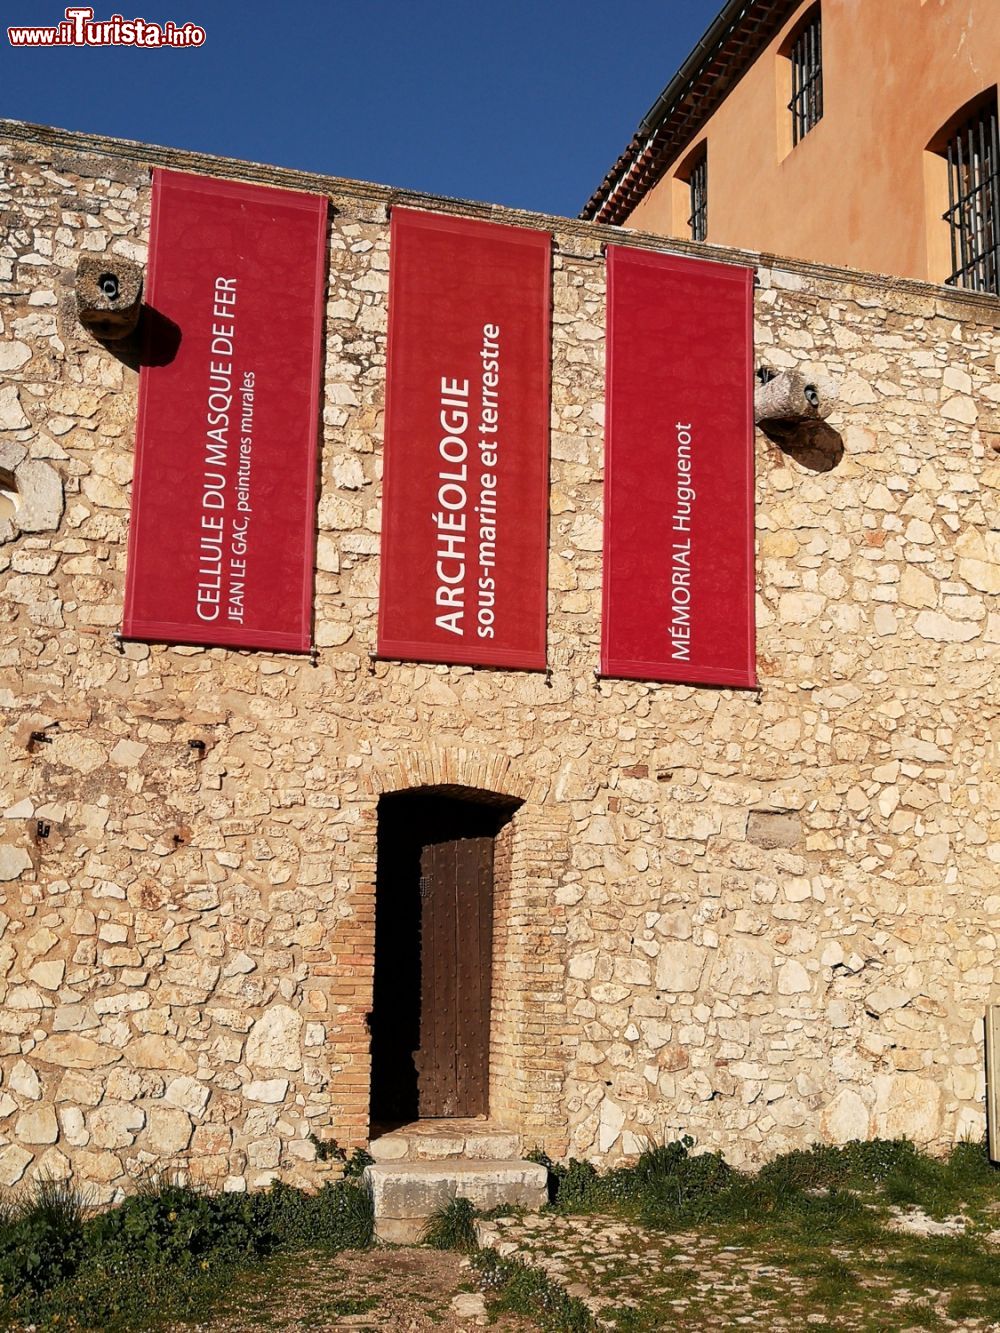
column 221, row 536
column 465, row 490
column 678, row 501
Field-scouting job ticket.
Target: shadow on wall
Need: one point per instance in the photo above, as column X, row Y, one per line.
column 814, row 444
column 155, row 341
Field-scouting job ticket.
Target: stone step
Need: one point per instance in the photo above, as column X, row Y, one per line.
column 406, row 1194
column 447, row 1140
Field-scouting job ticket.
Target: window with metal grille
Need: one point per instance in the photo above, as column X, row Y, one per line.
column 698, row 187
column 806, row 55
column 973, row 214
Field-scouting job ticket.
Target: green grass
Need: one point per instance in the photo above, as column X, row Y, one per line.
column 166, row 1253
column 352, row 1305
column 452, row 1227
column 819, row 1218
column 818, row 1191
column 513, row 1287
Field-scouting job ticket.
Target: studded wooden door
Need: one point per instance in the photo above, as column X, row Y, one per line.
column 456, row 951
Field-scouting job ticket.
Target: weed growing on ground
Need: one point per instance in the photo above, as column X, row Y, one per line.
column 511, row 1287
column 354, row 1167
column 821, row 1190
column 337, row 1216
column 351, row 1305
column 452, row 1227
column 166, row 1252
column 41, row 1239
column 329, row 1150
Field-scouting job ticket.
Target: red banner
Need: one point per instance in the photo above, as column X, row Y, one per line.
column 678, row 490
column 465, row 492
column 223, row 504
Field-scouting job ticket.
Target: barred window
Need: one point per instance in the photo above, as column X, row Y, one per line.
column 806, row 55
column 973, row 216
column 698, row 187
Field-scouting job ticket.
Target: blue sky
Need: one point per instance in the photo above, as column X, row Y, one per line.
column 522, row 103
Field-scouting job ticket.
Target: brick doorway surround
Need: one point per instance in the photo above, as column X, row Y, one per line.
column 528, row 1030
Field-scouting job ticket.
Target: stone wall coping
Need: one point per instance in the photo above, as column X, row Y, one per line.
column 978, row 307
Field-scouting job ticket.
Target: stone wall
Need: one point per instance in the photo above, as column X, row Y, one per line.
column 759, row 918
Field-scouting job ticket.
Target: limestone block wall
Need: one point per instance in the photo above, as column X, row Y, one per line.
column 759, row 918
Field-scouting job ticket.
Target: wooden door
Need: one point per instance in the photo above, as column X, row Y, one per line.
column 456, row 966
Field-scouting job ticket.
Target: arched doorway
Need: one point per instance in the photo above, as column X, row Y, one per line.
column 430, row 1020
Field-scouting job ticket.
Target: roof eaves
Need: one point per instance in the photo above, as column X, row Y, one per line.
column 719, row 60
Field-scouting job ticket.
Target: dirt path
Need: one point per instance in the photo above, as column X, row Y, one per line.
column 402, row 1290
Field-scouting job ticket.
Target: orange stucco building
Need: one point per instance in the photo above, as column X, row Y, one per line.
column 856, row 171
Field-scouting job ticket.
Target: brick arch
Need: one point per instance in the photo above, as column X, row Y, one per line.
column 467, row 766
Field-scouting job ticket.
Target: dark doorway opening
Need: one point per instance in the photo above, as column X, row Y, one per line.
column 430, row 1019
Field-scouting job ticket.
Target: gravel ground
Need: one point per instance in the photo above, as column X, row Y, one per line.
column 631, row 1279
column 644, row 1281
